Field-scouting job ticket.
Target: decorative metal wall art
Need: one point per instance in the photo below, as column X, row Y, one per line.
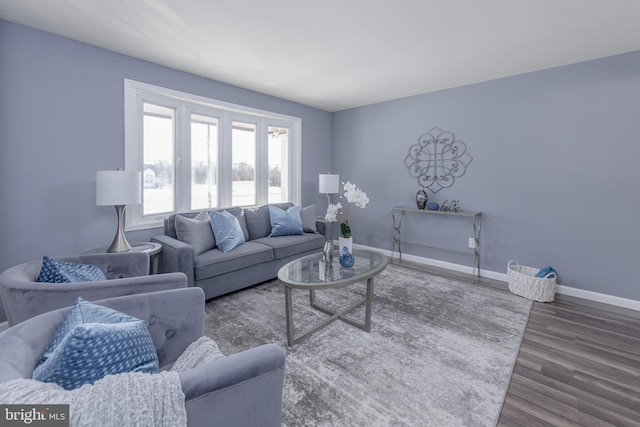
column 437, row 159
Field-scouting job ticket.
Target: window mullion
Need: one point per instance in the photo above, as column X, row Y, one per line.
column 183, row 160
column 226, row 158
column 262, row 169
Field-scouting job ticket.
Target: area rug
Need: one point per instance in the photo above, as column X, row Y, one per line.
column 440, row 351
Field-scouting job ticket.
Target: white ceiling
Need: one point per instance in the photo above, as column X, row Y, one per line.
column 338, row 54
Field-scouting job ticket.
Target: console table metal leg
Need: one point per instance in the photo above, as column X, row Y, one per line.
column 477, row 224
column 396, row 234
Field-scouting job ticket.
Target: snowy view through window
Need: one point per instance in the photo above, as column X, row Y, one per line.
column 204, row 149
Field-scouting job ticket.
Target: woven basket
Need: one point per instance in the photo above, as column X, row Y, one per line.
column 523, row 281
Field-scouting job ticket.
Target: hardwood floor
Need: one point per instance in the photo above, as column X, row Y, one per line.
column 578, row 365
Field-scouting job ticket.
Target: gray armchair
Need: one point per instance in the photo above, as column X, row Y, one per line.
column 243, row 389
column 128, row 273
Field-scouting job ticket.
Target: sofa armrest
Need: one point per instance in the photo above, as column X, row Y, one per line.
column 175, row 256
column 175, row 319
column 24, row 300
column 116, row 265
column 238, row 390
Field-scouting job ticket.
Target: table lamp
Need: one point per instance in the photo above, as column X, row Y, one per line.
column 118, row 188
column 328, row 184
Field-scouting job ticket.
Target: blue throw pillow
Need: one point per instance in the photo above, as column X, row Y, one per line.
column 94, row 341
column 56, row 271
column 226, row 230
column 285, row 223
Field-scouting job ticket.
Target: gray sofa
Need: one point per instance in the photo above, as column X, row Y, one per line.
column 128, row 274
column 255, row 261
column 243, row 389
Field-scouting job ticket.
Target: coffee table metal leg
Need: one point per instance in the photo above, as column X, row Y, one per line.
column 368, row 304
column 289, row 315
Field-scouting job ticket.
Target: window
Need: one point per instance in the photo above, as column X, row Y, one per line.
column 157, row 166
column 243, row 140
column 197, row 153
column 204, row 162
column 278, row 158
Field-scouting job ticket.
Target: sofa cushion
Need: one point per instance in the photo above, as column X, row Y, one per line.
column 258, row 222
column 226, row 230
column 214, row 262
column 285, row 223
column 285, row 246
column 94, row 341
column 170, row 222
column 258, row 219
column 57, row 271
column 196, row 232
column 308, row 216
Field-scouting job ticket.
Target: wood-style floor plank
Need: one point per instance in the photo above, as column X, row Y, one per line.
column 577, row 351
column 578, row 365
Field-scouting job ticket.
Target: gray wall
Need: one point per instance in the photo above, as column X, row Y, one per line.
column 61, row 120
column 555, row 170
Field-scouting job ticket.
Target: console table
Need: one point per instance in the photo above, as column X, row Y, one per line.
column 399, row 212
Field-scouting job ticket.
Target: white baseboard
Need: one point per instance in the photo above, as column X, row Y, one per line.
column 561, row 289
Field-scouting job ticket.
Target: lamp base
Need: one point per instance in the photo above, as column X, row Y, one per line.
column 119, row 243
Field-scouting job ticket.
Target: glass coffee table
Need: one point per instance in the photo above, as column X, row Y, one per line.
column 310, row 273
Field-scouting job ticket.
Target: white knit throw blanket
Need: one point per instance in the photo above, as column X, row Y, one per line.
column 131, row 399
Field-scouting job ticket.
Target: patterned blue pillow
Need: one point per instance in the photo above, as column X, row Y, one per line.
column 94, row 341
column 285, row 223
column 56, row 271
column 226, row 230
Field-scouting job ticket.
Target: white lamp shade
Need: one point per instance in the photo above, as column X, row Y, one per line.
column 329, row 183
column 118, row 188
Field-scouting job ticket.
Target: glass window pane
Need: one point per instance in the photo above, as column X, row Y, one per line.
column 278, row 161
column 243, row 142
column 158, row 160
column 204, row 162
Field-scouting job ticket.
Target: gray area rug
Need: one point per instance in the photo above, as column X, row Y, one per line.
column 440, row 351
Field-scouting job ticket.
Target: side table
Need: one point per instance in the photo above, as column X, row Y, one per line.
column 153, row 249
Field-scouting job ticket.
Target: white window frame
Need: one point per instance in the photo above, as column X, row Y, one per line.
column 136, row 93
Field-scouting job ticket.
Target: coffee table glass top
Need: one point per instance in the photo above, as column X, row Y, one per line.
column 310, row 272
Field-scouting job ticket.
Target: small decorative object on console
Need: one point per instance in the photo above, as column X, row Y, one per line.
column 433, row 206
column 421, row 198
column 450, row 207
